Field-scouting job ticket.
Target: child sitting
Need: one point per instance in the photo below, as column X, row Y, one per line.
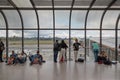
column 36, row 59
column 12, row 59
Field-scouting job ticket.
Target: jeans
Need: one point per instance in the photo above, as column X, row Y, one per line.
column 21, row 60
column 32, row 58
column 95, row 51
column 1, row 55
column 55, row 55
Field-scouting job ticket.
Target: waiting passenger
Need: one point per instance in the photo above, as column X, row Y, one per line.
column 102, row 58
column 12, row 59
column 22, row 57
column 95, row 47
column 36, row 59
column 76, row 45
column 63, row 51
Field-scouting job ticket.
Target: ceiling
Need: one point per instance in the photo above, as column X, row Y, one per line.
column 58, row 3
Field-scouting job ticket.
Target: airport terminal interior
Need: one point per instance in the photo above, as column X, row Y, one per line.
column 35, row 25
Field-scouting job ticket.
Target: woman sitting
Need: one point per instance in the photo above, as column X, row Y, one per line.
column 12, row 59
column 102, row 58
column 36, row 59
column 22, row 57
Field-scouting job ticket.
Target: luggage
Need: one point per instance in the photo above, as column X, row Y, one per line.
column 80, row 60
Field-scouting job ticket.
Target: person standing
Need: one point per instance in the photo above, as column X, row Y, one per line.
column 95, row 47
column 64, row 47
column 76, row 45
column 1, row 50
column 56, row 50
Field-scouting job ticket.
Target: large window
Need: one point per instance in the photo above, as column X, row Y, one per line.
column 46, row 44
column 15, row 40
column 45, row 19
column 2, row 22
column 62, row 19
column 30, row 41
column 29, row 19
column 13, row 18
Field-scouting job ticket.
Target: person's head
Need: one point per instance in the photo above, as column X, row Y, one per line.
column 37, row 52
column 76, row 40
column 57, row 41
column 22, row 52
column 62, row 41
column 13, row 52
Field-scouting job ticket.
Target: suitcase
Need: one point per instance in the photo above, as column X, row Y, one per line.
column 80, row 60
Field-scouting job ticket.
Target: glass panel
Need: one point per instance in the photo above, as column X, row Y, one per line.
column 109, row 21
column 101, row 3
column 4, row 3
column 15, row 41
column 108, row 43
column 2, row 22
column 82, row 3
column 30, row 41
column 13, row 18
column 46, row 44
column 62, row 19
column 63, row 35
column 29, row 18
column 43, row 3
column 46, row 19
column 94, row 18
column 92, row 36
column 116, row 4
column 3, row 39
column 119, row 24
column 22, row 3
column 118, row 45
column 79, row 34
column 78, row 19
column 62, row 3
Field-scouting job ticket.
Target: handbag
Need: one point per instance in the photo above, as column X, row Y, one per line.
column 2, row 48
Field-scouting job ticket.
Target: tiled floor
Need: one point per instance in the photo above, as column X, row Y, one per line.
column 60, row 71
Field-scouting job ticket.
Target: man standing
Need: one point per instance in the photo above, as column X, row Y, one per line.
column 95, row 47
column 76, row 48
column 1, row 49
column 56, row 49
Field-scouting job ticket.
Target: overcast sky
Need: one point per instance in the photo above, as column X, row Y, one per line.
column 61, row 21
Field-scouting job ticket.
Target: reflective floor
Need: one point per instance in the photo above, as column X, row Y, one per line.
column 60, row 71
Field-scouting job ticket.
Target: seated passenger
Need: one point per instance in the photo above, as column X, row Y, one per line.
column 102, row 58
column 22, row 57
column 12, row 59
column 37, row 58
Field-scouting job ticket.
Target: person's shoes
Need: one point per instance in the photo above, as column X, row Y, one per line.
column 31, row 63
column 55, row 61
column 2, row 61
column 40, row 63
column 76, row 61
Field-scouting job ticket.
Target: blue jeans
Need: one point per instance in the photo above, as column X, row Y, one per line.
column 31, row 58
column 22, row 60
column 96, row 51
column 55, row 55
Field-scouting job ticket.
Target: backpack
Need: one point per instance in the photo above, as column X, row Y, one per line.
column 80, row 60
column 57, row 46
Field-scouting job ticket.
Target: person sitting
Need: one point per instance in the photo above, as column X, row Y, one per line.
column 36, row 59
column 22, row 57
column 12, row 59
column 102, row 58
